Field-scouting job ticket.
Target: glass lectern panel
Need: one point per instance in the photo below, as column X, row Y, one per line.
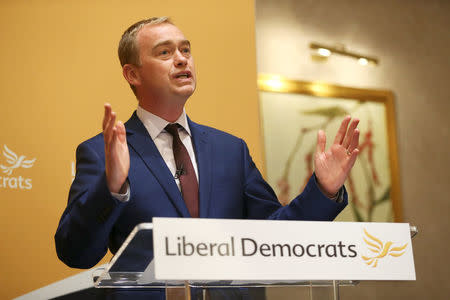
column 133, row 267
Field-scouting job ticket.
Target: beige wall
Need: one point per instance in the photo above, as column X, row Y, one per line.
column 412, row 41
column 59, row 65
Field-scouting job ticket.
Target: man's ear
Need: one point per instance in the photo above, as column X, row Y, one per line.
column 131, row 74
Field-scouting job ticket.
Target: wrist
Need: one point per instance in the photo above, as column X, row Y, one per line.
column 117, row 187
column 331, row 195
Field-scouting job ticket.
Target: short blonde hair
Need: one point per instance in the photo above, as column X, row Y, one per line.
column 128, row 48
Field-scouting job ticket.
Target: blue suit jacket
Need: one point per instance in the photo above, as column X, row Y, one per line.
column 230, row 186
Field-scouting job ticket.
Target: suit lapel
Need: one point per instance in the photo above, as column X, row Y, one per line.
column 203, row 154
column 139, row 139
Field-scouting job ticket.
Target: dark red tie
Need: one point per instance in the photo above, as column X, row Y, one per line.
column 185, row 171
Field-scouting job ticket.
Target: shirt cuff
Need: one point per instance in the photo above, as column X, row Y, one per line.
column 339, row 198
column 123, row 197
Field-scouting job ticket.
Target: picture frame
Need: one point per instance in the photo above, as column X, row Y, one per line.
column 291, row 113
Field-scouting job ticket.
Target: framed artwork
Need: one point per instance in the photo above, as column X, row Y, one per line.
column 291, row 114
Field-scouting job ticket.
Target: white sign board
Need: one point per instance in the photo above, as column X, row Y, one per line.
column 217, row 249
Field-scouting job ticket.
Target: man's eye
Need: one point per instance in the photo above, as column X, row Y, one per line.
column 186, row 50
column 164, row 52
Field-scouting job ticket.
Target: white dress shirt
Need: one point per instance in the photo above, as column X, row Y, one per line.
column 163, row 141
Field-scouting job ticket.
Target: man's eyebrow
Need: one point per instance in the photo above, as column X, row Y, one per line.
column 169, row 42
column 185, row 42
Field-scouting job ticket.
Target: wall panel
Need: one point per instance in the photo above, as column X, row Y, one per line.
column 59, row 65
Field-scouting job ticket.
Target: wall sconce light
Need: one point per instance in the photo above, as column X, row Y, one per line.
column 321, row 53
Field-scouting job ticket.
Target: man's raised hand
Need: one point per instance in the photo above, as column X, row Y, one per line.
column 333, row 166
column 117, row 157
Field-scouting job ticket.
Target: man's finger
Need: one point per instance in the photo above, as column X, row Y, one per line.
column 321, row 142
column 113, row 139
column 107, row 115
column 120, row 132
column 355, row 141
column 108, row 131
column 342, row 130
column 349, row 136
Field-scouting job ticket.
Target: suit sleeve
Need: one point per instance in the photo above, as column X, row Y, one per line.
column 81, row 239
column 262, row 203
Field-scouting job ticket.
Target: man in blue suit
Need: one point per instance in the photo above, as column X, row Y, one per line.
column 129, row 173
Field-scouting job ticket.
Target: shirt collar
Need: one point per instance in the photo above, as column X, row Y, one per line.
column 155, row 125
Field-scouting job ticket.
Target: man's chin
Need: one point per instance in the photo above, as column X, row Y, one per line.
column 185, row 91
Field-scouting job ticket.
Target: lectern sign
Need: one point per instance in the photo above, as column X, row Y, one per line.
column 213, row 249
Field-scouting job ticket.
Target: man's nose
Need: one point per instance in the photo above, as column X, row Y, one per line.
column 180, row 60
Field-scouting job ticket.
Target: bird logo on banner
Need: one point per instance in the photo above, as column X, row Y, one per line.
column 15, row 161
column 380, row 249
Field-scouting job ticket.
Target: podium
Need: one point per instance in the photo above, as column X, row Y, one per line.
column 133, row 268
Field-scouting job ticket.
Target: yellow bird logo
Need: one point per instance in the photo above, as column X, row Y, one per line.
column 15, row 161
column 381, row 250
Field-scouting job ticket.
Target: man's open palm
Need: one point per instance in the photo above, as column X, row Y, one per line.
column 117, row 157
column 333, row 166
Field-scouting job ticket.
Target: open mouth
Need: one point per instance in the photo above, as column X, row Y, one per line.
column 183, row 75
